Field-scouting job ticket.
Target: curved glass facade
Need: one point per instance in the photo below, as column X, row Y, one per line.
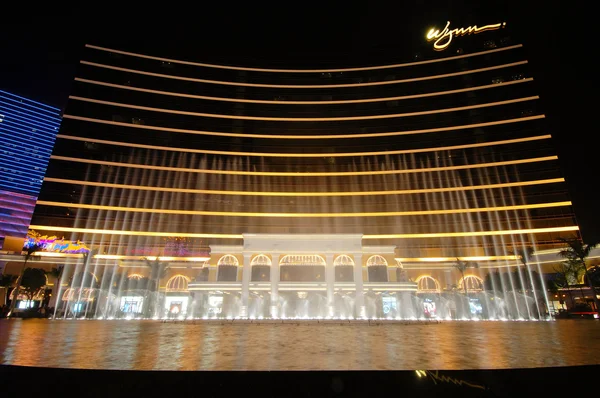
column 440, row 154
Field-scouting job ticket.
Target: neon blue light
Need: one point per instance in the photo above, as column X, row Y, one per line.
column 13, row 151
column 18, row 165
column 27, row 137
column 8, row 108
column 28, row 100
column 24, row 153
column 19, row 105
column 8, row 116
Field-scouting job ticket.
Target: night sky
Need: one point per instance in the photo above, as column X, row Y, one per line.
column 40, row 53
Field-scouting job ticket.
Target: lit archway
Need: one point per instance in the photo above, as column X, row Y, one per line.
column 177, row 283
column 377, row 269
column 227, row 268
column 428, row 284
column 344, row 268
column 376, row 261
column 228, row 260
column 260, row 269
column 302, row 259
column 474, row 283
column 343, row 260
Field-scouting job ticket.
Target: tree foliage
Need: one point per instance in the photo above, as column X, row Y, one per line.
column 34, row 279
column 514, row 280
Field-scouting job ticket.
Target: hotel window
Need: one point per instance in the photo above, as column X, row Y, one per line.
column 498, row 80
column 166, row 64
column 137, row 120
column 489, row 44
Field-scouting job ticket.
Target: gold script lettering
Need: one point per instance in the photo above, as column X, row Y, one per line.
column 442, row 39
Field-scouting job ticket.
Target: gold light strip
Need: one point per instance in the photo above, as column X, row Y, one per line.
column 302, row 215
column 240, row 236
column 363, row 68
column 474, row 233
column 304, row 155
column 452, row 259
column 304, row 119
column 133, row 233
column 305, row 86
column 299, row 174
column 151, row 258
column 286, row 102
column 308, row 194
column 305, row 137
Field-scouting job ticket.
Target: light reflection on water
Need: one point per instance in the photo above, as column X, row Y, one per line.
column 146, row 345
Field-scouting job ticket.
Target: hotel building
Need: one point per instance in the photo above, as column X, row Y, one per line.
column 250, row 188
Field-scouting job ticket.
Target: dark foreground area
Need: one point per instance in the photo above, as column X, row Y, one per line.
column 470, row 383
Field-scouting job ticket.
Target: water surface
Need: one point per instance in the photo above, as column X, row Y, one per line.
column 154, row 345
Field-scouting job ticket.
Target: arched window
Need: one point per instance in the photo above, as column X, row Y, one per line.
column 344, row 268
column 473, row 283
column 377, row 269
column 302, row 259
column 227, row 268
column 261, row 259
column 228, row 259
column 428, row 284
column 261, row 269
column 342, row 260
column 177, row 283
column 302, row 268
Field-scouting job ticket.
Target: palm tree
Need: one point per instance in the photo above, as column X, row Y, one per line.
column 30, row 250
column 576, row 252
column 462, row 266
column 158, row 270
column 524, row 254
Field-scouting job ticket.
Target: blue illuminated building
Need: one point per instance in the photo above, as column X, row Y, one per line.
column 27, row 133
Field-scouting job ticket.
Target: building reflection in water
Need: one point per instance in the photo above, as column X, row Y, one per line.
column 146, row 345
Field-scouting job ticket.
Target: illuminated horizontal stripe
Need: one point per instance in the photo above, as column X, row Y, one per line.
column 297, row 194
column 306, row 155
column 28, row 102
column 299, row 174
column 306, row 137
column 452, row 259
column 474, row 233
column 301, row 215
column 304, row 119
column 133, row 233
column 357, row 69
column 305, row 86
column 240, row 236
column 286, row 102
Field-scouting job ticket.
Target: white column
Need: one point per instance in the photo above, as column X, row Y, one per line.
column 330, row 280
column 275, row 285
column 246, row 273
column 359, row 299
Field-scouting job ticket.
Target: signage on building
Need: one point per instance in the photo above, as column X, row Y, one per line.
column 442, row 38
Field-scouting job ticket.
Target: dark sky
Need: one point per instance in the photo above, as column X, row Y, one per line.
column 40, row 53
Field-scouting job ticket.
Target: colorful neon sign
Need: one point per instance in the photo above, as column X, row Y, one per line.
column 442, row 39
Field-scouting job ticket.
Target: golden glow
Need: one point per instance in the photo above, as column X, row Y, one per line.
column 308, row 194
column 364, row 68
column 300, row 174
column 442, row 39
column 133, row 233
column 305, row 155
column 58, row 254
column 240, row 236
column 286, row 102
column 303, row 86
column 304, row 119
column 305, row 137
column 452, row 259
column 301, row 215
column 474, row 233
column 151, row 258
